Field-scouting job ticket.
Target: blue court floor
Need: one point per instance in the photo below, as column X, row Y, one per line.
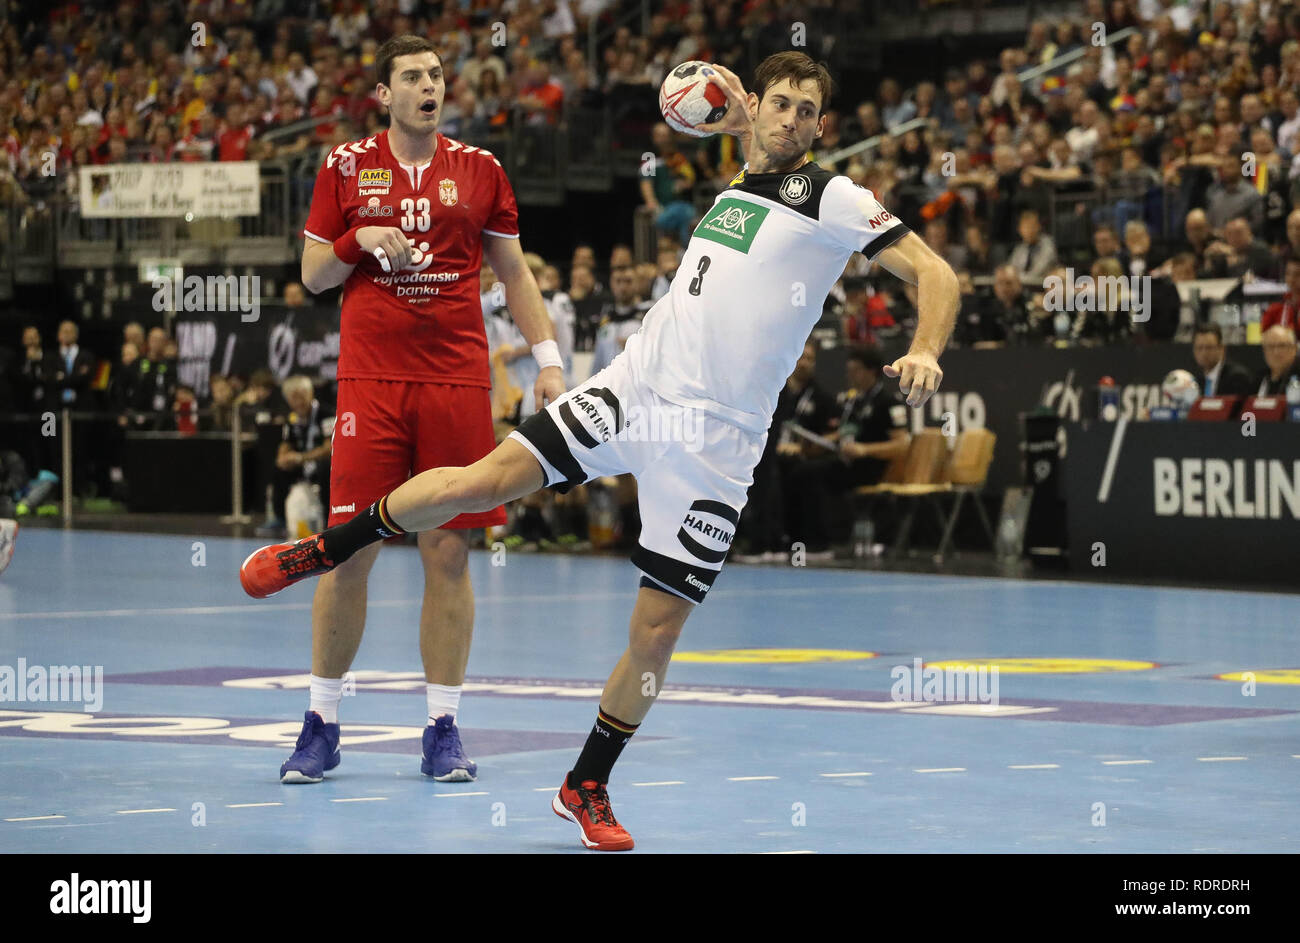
column 798, row 737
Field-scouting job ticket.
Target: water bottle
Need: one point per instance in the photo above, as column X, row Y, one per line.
column 1293, row 392
column 864, row 536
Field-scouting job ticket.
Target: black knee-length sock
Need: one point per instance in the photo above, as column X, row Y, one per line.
column 604, row 744
column 371, row 525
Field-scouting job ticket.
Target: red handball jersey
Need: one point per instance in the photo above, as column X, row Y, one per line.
column 424, row 323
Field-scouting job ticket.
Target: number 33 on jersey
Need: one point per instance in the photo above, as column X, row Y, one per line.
column 423, row 323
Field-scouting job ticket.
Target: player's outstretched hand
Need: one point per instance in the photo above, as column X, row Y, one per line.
column 391, row 241
column 736, row 120
column 919, row 376
column 549, row 386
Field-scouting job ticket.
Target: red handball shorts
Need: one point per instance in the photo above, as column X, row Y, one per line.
column 386, row 431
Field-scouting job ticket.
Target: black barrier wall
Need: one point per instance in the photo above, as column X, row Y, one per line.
column 1185, row 500
column 990, row 388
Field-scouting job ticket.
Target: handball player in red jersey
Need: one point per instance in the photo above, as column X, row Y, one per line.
column 402, row 220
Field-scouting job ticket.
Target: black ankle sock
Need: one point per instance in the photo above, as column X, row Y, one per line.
column 604, row 744
column 371, row 525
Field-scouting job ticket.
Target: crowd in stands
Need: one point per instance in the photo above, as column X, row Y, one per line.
column 1173, row 152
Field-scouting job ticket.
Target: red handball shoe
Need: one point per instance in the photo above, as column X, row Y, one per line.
column 588, row 806
column 271, row 569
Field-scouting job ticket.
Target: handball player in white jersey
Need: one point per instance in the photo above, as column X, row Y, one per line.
column 687, row 405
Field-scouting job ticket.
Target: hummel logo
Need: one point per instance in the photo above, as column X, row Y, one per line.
column 344, row 508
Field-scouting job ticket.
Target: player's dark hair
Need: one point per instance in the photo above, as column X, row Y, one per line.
column 798, row 67
column 1209, row 327
column 866, row 355
column 407, row 45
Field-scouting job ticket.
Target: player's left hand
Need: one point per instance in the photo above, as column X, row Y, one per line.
column 549, row 386
column 919, row 376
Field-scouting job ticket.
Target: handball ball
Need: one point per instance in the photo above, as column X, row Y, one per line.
column 1180, row 389
column 688, row 99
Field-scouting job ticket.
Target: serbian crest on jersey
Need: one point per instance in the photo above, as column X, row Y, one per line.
column 447, row 192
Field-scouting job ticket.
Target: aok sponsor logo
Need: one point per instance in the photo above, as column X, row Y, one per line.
column 732, row 223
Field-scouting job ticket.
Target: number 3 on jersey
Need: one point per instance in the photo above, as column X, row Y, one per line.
column 415, row 214
column 698, row 281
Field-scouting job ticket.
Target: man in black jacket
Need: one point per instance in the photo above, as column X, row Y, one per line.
column 1216, row 375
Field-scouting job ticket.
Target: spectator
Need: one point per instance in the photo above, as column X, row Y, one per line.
column 667, row 264
column 37, row 373
column 1216, row 375
column 1247, row 254
column 1035, row 255
column 304, row 451
column 563, row 316
column 667, row 190
column 1111, row 320
column 1105, row 242
column 803, row 402
column 73, row 367
column 484, row 60
column 620, row 317
column 540, row 97
column 1287, row 311
column 1232, row 196
column 1280, row 368
column 589, row 300
column 983, row 322
column 936, row 237
column 1138, row 257
column 152, row 383
column 872, row 432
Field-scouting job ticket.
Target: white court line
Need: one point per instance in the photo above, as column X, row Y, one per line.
column 547, row 789
column 35, row 818
column 363, row 799
column 1218, row 759
column 1126, row 762
column 749, row 779
column 396, row 603
column 141, row 811
column 942, row 769
column 457, row 795
column 667, row 782
column 804, row 851
column 841, row 775
column 252, row 805
column 1116, row 443
column 1037, row 766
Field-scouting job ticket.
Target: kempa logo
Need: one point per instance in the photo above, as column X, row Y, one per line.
column 1130, row 293
column 214, row 293
column 36, row 683
column 732, row 223
column 103, row 897
column 692, row 580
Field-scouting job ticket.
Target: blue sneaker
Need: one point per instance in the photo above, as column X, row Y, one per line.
column 444, row 757
column 316, row 751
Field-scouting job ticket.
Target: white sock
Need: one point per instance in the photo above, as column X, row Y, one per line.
column 443, row 699
column 325, row 696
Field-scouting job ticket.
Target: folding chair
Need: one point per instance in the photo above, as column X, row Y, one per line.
column 963, row 473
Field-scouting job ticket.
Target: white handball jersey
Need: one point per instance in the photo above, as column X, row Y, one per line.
column 751, row 286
